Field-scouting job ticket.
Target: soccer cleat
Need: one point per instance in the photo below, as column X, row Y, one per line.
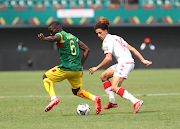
column 97, row 103
column 137, row 106
column 51, row 104
column 111, row 105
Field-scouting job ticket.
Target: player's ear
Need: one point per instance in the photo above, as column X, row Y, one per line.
column 57, row 29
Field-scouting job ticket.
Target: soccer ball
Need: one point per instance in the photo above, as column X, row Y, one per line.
column 83, row 109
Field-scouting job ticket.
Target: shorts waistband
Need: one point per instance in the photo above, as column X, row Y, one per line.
column 130, row 62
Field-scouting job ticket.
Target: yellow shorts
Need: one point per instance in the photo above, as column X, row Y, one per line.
column 57, row 75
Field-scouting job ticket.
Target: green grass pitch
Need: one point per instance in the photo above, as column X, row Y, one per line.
column 23, row 99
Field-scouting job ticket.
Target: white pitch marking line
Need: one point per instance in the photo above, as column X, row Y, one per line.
column 31, row 96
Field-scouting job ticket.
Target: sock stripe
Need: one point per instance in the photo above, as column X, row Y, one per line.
column 85, row 94
column 48, row 84
column 120, row 91
column 107, row 84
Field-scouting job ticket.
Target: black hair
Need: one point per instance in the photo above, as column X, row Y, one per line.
column 55, row 24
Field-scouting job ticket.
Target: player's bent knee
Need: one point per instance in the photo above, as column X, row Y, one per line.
column 103, row 77
column 75, row 91
column 114, row 89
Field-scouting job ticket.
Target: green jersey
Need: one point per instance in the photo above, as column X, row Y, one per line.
column 68, row 48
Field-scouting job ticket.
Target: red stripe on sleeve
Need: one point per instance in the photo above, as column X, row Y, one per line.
column 79, row 42
column 58, row 36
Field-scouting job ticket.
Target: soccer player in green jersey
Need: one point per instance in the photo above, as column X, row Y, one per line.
column 71, row 66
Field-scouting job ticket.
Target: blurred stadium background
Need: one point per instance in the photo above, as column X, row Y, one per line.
column 134, row 20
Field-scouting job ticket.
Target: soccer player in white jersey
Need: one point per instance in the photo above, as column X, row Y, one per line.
column 121, row 50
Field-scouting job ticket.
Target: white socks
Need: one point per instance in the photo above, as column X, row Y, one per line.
column 111, row 94
column 53, row 97
column 130, row 97
column 93, row 97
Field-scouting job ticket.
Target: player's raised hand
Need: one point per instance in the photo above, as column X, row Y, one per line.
column 146, row 62
column 41, row 36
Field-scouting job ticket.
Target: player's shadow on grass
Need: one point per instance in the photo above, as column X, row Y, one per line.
column 92, row 114
column 124, row 112
column 115, row 112
column 111, row 113
column 139, row 112
column 146, row 112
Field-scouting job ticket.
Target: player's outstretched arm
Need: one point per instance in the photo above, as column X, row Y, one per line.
column 138, row 55
column 50, row 39
column 106, row 60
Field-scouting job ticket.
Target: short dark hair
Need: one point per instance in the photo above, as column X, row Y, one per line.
column 55, row 24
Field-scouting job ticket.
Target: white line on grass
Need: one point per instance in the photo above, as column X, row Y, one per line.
column 32, row 96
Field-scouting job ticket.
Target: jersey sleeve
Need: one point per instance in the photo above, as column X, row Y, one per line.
column 59, row 35
column 108, row 45
column 79, row 42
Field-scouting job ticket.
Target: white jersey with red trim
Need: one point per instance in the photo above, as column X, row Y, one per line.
column 118, row 47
